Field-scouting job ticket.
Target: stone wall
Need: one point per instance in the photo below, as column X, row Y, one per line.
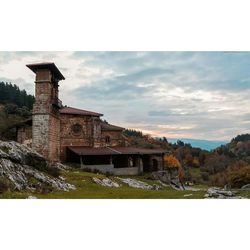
column 116, row 138
column 54, row 138
column 159, row 160
column 40, row 134
column 90, row 135
column 126, row 171
column 109, row 168
column 69, row 138
column 24, row 134
column 104, row 168
column 46, row 120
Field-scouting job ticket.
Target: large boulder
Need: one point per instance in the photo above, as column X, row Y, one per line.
column 28, row 170
column 168, row 177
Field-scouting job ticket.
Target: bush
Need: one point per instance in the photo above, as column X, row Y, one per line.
column 219, row 179
column 239, row 177
column 205, row 176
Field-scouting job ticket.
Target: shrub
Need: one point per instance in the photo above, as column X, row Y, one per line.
column 205, row 176
column 171, row 162
column 239, row 177
column 219, row 179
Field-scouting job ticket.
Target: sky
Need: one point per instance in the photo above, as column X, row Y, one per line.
column 200, row 95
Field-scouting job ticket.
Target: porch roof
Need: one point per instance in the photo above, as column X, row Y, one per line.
column 115, row 151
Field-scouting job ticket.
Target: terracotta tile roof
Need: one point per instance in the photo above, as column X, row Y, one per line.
column 107, row 126
column 90, row 151
column 115, row 151
column 75, row 111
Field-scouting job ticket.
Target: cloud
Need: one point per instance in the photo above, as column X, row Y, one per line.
column 193, row 94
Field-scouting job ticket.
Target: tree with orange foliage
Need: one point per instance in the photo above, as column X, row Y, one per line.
column 171, row 162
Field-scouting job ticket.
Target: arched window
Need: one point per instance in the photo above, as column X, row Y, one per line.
column 107, row 139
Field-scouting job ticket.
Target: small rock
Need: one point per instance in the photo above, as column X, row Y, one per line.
column 192, row 189
column 31, row 197
column 187, row 195
column 156, row 187
column 61, row 166
column 62, row 178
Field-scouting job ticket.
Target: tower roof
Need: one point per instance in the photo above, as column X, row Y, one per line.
column 47, row 65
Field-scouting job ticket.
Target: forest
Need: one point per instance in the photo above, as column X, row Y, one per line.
column 225, row 166
column 10, row 93
column 15, row 107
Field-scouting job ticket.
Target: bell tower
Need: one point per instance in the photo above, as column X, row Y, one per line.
column 46, row 115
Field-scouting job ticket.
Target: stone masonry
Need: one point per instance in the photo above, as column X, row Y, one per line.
column 46, row 116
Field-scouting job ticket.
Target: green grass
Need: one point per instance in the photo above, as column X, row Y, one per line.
column 87, row 189
column 195, row 172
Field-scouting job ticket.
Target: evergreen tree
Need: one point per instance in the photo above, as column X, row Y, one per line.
column 10, row 93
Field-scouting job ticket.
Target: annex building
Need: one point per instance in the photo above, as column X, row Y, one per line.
column 63, row 133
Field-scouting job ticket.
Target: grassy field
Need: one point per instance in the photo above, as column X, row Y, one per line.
column 87, row 189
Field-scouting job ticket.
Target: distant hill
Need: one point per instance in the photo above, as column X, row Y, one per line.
column 203, row 144
column 238, row 147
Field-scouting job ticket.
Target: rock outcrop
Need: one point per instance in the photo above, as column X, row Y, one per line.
column 169, row 178
column 106, row 182
column 219, row 193
column 139, row 184
column 25, row 169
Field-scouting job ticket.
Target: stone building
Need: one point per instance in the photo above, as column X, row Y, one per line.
column 62, row 133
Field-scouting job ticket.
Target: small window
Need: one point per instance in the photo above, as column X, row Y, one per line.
column 76, row 129
column 107, row 139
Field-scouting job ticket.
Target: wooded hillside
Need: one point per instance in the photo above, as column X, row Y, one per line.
column 10, row 93
column 15, row 106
